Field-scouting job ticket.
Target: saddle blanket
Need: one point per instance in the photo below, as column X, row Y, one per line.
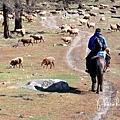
column 102, row 54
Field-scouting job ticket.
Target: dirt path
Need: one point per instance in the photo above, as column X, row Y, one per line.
column 76, row 59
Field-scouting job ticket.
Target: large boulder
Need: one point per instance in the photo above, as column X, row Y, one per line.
column 48, row 85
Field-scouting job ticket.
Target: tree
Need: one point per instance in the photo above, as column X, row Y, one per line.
column 6, row 21
column 96, row 0
column 18, row 12
column 27, row 2
column 33, row 3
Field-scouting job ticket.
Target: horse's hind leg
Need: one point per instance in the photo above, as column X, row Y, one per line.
column 98, row 87
column 93, row 87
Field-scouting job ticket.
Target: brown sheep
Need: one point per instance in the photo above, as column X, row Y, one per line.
column 26, row 40
column 67, row 40
column 113, row 27
column 73, row 26
column 90, row 25
column 86, row 17
column 65, row 28
column 30, row 18
column 48, row 61
column 73, row 31
column 37, row 37
column 16, row 61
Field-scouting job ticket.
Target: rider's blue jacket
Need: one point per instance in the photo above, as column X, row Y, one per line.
column 92, row 39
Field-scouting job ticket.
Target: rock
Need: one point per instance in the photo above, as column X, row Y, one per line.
column 48, row 85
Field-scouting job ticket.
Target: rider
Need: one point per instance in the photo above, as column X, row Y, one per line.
column 91, row 46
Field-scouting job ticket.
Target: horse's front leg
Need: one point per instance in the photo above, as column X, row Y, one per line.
column 101, row 83
column 93, row 84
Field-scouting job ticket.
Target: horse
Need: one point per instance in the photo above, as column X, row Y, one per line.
column 97, row 67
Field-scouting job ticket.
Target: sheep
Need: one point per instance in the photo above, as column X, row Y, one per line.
column 42, row 13
column 43, row 18
column 11, row 16
column 83, row 21
column 26, row 40
column 118, row 26
column 67, row 40
column 90, row 25
column 37, row 37
column 73, row 31
column 48, row 61
column 113, row 27
column 21, row 31
column 92, row 14
column 30, row 18
column 65, row 28
column 113, row 11
column 102, row 19
column 86, row 17
column 72, row 26
column 16, row 61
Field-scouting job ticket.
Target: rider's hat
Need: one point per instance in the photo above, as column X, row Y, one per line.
column 98, row 30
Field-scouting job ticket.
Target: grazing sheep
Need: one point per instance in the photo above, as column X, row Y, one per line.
column 11, row 16
column 65, row 28
column 72, row 26
column 118, row 26
column 83, row 21
column 86, row 17
column 48, row 61
column 42, row 13
column 21, row 31
column 67, row 40
column 30, row 18
column 73, row 31
column 92, row 14
column 102, row 19
column 26, row 40
column 38, row 37
column 16, row 61
column 113, row 11
column 90, row 25
column 113, row 27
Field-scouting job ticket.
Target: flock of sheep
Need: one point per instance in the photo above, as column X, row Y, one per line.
column 69, row 30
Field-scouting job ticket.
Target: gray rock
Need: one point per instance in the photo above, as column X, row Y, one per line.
column 48, row 85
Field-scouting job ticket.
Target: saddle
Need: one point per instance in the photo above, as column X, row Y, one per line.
column 102, row 54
